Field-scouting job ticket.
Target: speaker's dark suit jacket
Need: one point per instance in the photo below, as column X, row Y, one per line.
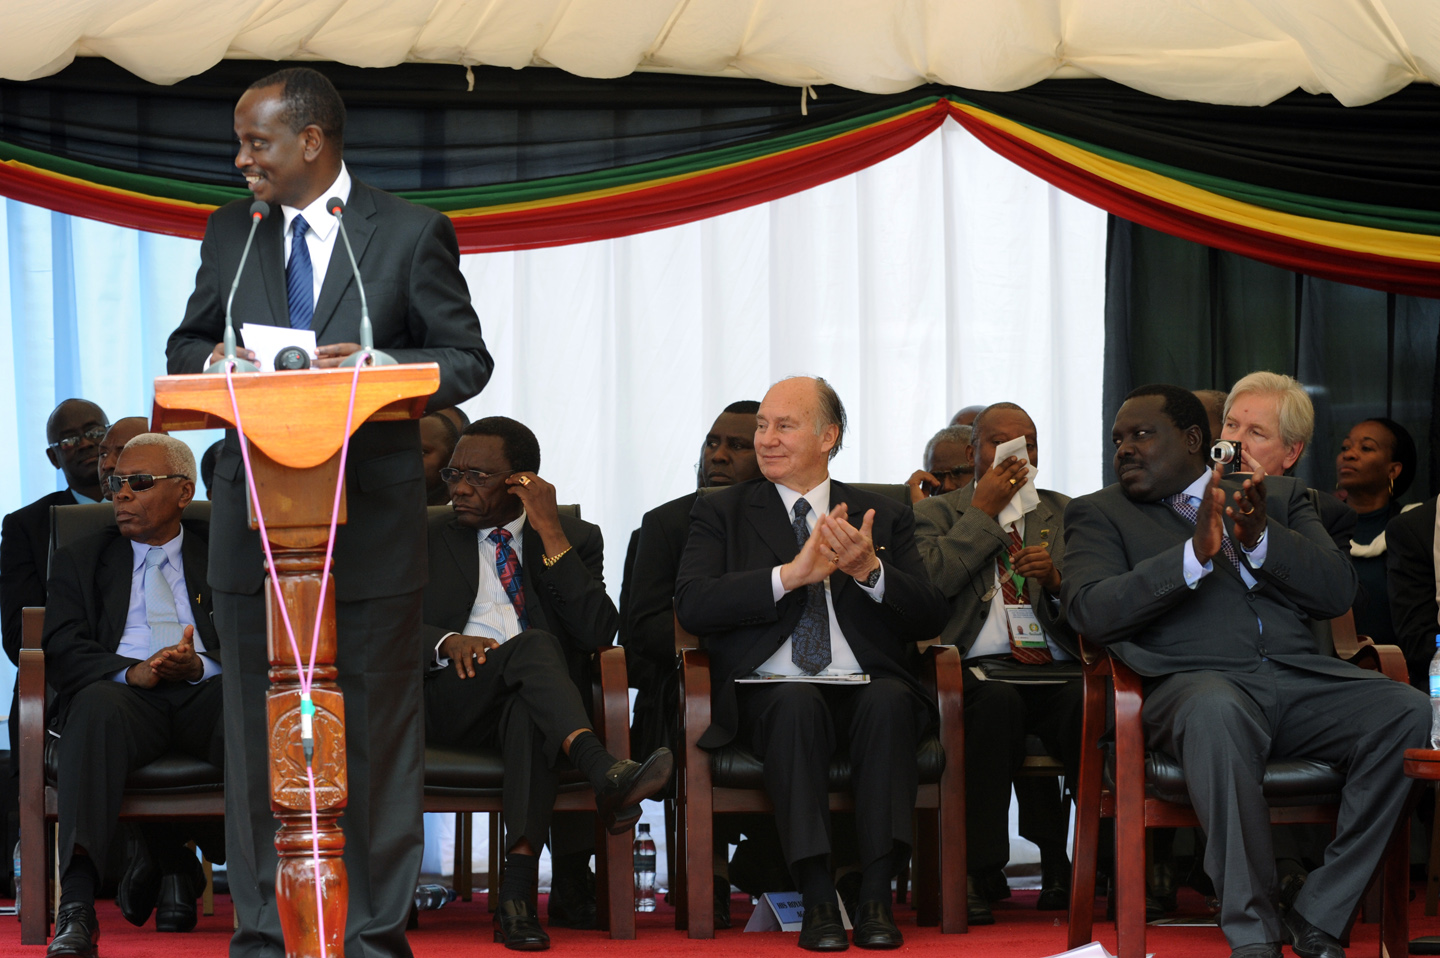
column 88, row 599
column 1410, row 575
column 1124, row 586
column 739, row 534
column 24, row 563
column 568, row 600
column 420, row 308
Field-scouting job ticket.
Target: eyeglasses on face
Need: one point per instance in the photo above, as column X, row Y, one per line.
column 957, row 473
column 474, row 477
column 138, row 482
column 70, row 442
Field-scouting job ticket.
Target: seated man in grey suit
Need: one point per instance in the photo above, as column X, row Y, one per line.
column 1205, row 586
column 514, row 607
column 997, row 555
column 132, row 654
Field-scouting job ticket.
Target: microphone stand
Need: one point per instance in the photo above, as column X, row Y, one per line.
column 258, row 211
column 367, row 332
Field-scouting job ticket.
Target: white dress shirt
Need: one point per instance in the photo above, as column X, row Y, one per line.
column 135, row 640
column 324, row 229
column 842, row 659
column 994, row 635
column 493, row 614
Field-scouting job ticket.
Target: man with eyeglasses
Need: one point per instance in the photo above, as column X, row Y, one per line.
column 132, row 653
column 947, row 466
column 72, row 433
column 119, row 433
column 514, row 610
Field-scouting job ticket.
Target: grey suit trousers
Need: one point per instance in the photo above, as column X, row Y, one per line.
column 1223, row 727
column 379, row 664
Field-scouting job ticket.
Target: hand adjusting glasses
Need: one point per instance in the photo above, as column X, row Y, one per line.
column 138, row 482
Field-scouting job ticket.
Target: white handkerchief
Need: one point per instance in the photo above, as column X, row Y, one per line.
column 1025, row 498
column 267, row 341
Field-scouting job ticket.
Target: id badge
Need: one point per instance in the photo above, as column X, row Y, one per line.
column 1025, row 630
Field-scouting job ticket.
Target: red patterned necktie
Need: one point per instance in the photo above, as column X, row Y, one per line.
column 507, row 566
column 1012, row 589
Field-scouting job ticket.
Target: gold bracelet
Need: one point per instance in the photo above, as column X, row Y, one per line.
column 551, row 560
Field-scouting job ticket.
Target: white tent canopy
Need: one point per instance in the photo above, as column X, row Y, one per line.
column 1245, row 52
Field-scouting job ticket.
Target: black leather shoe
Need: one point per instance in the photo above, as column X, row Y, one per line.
column 627, row 784
column 1264, row 949
column 77, row 932
column 176, row 908
column 572, row 900
column 993, row 884
column 822, row 930
column 722, row 903
column 977, row 907
column 517, row 927
column 875, row 926
column 1054, row 886
column 139, row 887
column 1307, row 940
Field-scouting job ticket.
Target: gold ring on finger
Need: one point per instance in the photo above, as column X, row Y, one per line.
column 1250, row 511
column 1012, row 482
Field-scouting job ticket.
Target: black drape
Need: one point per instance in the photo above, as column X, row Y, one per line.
column 1183, row 313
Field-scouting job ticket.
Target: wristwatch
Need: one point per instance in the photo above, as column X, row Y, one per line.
column 873, row 579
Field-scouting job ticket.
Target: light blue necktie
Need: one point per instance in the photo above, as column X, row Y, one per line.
column 810, row 642
column 165, row 628
column 299, row 277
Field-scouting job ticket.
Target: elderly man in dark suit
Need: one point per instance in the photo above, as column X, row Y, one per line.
column 290, row 128
column 515, row 608
column 795, row 577
column 1205, row 587
column 997, row 555
column 134, row 659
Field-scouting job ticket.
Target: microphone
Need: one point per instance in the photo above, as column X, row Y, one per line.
column 336, row 206
column 258, row 211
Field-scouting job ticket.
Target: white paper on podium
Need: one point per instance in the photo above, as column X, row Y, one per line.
column 267, row 341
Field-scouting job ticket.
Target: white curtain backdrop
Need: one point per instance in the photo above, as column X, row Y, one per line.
column 943, row 277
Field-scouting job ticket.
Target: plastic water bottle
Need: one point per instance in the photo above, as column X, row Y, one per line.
column 430, row 897
column 644, row 870
column 15, row 875
column 1435, row 696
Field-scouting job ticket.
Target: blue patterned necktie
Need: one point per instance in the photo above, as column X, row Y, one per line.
column 160, row 614
column 1180, row 502
column 507, row 567
column 810, row 642
column 299, row 277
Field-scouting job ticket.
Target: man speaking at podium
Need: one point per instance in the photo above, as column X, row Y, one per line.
column 290, row 127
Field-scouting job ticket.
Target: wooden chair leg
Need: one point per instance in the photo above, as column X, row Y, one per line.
column 700, row 865
column 927, row 869
column 1394, row 909
column 207, row 897
column 34, row 909
column 55, row 886
column 618, row 867
column 464, row 855
column 497, row 861
column 1432, row 879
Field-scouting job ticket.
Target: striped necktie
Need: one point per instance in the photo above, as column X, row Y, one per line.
column 300, row 277
column 507, row 566
column 1012, row 589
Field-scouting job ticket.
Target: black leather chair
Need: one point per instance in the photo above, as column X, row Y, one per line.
column 174, row 786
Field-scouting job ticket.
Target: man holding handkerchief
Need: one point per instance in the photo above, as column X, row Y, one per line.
column 995, row 548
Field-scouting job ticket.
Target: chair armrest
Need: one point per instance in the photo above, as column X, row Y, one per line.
column 684, row 639
column 30, row 689
column 1381, row 658
column 613, row 700
column 943, row 677
column 694, row 716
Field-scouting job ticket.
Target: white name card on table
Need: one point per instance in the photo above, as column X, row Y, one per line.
column 783, row 911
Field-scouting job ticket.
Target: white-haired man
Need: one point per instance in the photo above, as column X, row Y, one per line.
column 1271, row 416
column 133, row 657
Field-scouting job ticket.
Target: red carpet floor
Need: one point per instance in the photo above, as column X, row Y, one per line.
column 463, row 929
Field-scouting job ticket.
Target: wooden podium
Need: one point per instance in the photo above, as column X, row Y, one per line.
column 294, row 422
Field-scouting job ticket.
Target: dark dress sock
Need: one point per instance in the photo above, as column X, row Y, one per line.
column 812, row 877
column 876, row 876
column 78, row 884
column 590, row 759
column 522, row 876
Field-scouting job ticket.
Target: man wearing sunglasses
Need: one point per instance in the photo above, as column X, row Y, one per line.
column 947, row 465
column 119, row 433
column 514, row 610
column 131, row 651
